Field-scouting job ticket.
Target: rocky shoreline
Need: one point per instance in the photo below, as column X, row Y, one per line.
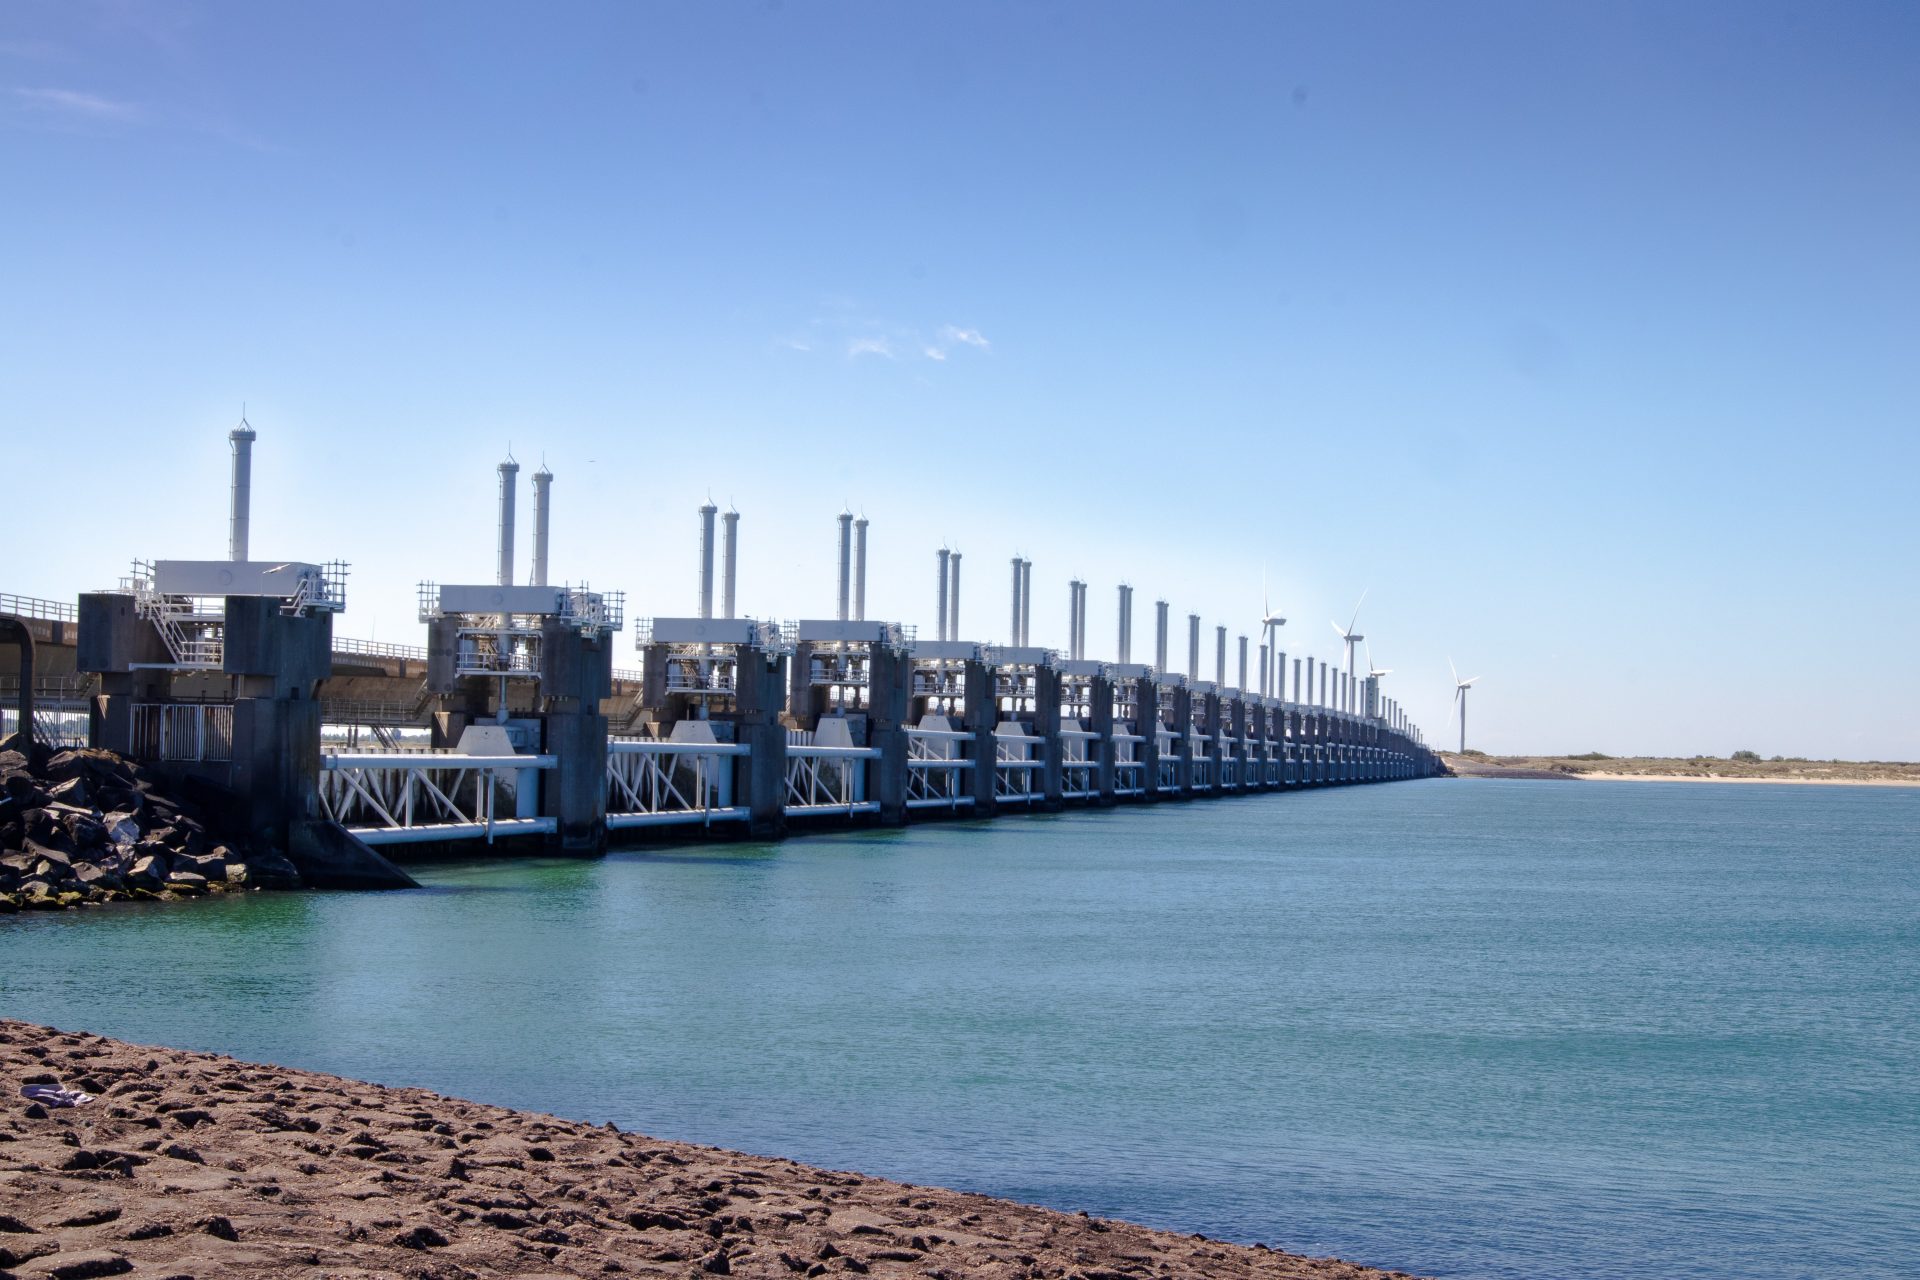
column 83, row 827
column 194, row 1166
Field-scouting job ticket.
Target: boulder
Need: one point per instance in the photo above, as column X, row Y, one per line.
column 21, row 788
column 53, row 873
column 128, row 799
column 211, row 866
column 121, row 827
column 73, row 791
column 186, row 882
column 149, row 873
column 45, row 828
column 97, row 879
column 44, row 856
column 88, row 832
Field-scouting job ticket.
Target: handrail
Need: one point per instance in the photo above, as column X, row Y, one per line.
column 666, row 747
column 35, row 607
column 379, row 648
column 429, row 759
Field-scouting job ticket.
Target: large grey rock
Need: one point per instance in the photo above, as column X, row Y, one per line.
column 186, row 882
column 99, row 879
column 121, row 827
column 212, row 866
column 88, row 832
column 73, row 791
column 149, row 872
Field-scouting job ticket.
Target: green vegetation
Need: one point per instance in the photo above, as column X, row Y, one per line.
column 1751, row 757
column 1591, row 755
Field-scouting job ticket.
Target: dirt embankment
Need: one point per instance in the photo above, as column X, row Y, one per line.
column 1686, row 769
column 193, row 1165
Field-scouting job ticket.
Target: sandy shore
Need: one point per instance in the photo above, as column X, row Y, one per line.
column 1782, row 782
column 194, row 1165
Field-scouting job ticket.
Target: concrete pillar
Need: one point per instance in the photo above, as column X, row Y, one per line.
column 1243, row 666
column 1101, row 749
column 860, row 569
column 1266, row 673
column 1193, row 646
column 542, row 512
column 760, row 777
column 1146, row 726
column 1220, row 656
column 1183, row 745
column 1160, row 637
column 953, row 601
column 707, row 512
column 844, row 601
column 1046, row 708
column 509, row 476
column 889, row 689
column 944, row 557
column 1073, row 620
column 576, row 676
column 1026, row 602
column 729, row 559
column 241, row 439
column 1013, row 617
column 978, row 718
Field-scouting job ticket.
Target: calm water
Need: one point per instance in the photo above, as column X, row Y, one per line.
column 1464, row 1028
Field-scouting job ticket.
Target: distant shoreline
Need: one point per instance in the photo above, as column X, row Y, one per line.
column 1836, row 773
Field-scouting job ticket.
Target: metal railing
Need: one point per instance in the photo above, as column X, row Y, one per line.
column 182, row 732
column 1129, row 770
column 379, row 649
column 416, row 713
column 1079, row 770
column 1016, row 759
column 828, row 779
column 394, row 797
column 657, row 783
column 55, row 729
column 34, row 607
column 937, row 770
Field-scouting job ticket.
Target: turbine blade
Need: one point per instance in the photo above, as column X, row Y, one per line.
column 1356, row 608
column 1454, row 669
column 1337, row 631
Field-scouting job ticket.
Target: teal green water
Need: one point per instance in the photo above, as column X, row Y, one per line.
column 1465, row 1028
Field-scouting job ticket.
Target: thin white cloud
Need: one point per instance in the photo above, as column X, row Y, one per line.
column 971, row 337
column 934, row 353
column 75, row 105
column 869, row 347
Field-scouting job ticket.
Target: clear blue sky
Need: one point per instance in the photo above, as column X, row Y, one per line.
column 1585, row 336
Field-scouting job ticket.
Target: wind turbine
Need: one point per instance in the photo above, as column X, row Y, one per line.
column 1460, row 688
column 1269, row 623
column 1349, row 635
